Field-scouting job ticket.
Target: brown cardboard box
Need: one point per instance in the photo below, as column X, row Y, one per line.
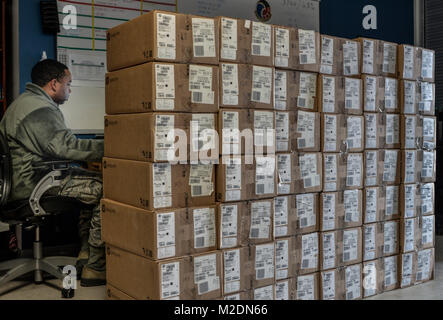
column 334, row 172
column 410, row 166
column 426, row 198
column 237, row 270
column 308, row 128
column 375, row 130
column 354, row 171
column 352, row 53
column 330, row 250
column 175, row 41
column 261, row 223
column 374, row 204
column 235, row 40
column 285, row 289
column 390, row 273
column 409, row 97
column 391, row 237
column 331, row 55
column 426, row 238
column 264, row 293
column 409, row 232
column 285, row 47
column 428, row 134
column 157, row 185
column 233, row 223
column 353, row 96
column 372, row 277
column 158, row 234
column 410, row 201
column 242, row 296
column 151, row 137
column 308, row 286
column 351, row 279
column 307, row 213
column 408, row 66
column 373, row 93
column 307, row 51
column 261, row 43
column 427, row 161
column 334, row 132
column 285, row 217
column 391, row 160
column 373, row 237
column 332, row 287
column 374, row 167
column 285, row 258
column 162, row 87
column 332, row 211
column 426, row 65
column 307, row 253
column 407, row 269
column 235, row 85
column 392, row 207
column 389, row 89
column 145, row 279
column 387, row 64
column 353, row 204
column 263, row 259
column 112, row 293
column 425, row 265
column 391, row 131
column 411, row 131
column 355, row 133
column 331, row 94
column 351, row 249
column 370, row 56
column 285, row 131
column 258, row 81
column 426, row 98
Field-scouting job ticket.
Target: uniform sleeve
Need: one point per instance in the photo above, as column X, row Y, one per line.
column 44, row 132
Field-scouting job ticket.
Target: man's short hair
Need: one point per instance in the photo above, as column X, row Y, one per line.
column 46, row 71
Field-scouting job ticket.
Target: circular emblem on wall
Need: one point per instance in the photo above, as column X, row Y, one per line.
column 263, row 10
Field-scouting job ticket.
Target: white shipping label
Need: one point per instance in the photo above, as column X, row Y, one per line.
column 408, row 64
column 280, row 90
column 350, row 245
column 427, row 198
column 282, row 131
column 233, row 175
column 281, row 47
column 354, row 132
column 308, row 170
column 409, row 204
column 307, row 46
column 230, row 133
column 166, row 44
column 203, row 36
column 391, row 93
column 429, row 133
column 427, row 65
column 264, row 261
column 260, row 220
column 204, row 228
column 352, row 206
column 370, row 279
column 390, row 264
column 231, row 262
column 371, row 205
column 390, row 166
column 203, row 131
column 265, row 293
column 164, row 81
column 409, row 236
column 330, row 133
column 200, row 84
column 368, row 56
column 407, row 260
column 328, row 250
column 369, row 245
column 205, row 273
column 284, row 173
column 263, row 126
column 390, row 237
column 328, row 212
column 281, row 259
column 391, row 200
column 306, row 127
column 166, row 234
column 309, row 258
column 230, row 84
column 164, row 137
column 306, row 288
column 410, row 126
column 423, row 265
column 261, row 39
column 327, row 55
column 161, row 180
column 261, row 84
column 170, row 280
column 428, row 166
column 328, row 285
column 264, row 175
column 200, row 180
column 281, row 216
column 392, row 129
column 354, row 170
column 353, row 282
column 371, row 164
column 352, row 94
column 232, row 297
column 389, row 58
column 350, row 58
column 427, row 232
column 409, row 174
column 410, row 97
column 228, row 39
column 305, row 210
column 282, row 290
column 308, row 90
column 229, row 229
column 328, row 94
column 330, row 174
column 427, row 96
column 370, row 93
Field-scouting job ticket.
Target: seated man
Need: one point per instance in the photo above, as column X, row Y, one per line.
column 35, row 130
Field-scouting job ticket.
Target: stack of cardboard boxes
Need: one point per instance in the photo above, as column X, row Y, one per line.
column 251, row 161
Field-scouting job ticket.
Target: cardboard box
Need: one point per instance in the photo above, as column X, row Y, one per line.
column 261, row 44
column 235, row 40
column 352, row 283
column 158, row 185
column 331, row 94
column 425, row 265
column 307, row 213
column 162, row 87
column 373, row 240
column 351, row 248
column 334, row 169
column 373, row 93
column 354, row 171
column 429, row 132
column 285, row 217
column 389, row 88
column 242, row 296
column 375, row 130
column 353, row 96
column 285, row 131
column 410, row 201
column 264, row 293
column 330, row 250
column 426, row 199
column 409, row 97
column 353, row 208
column 391, row 160
column 235, row 85
column 112, row 293
column 410, row 166
column 408, row 66
column 391, row 237
column 159, row 234
column 295, row 90
column 308, row 287
column 426, row 64
column 427, row 161
column 373, row 277
column 331, row 55
column 370, row 56
column 145, row 279
column 391, row 131
column 407, row 269
column 426, row 237
column 163, row 36
column 285, row 289
column 332, row 211
column 237, row 270
column 334, row 132
column 261, row 223
column 392, row 207
column 308, row 128
column 390, row 273
column 426, row 98
column 151, row 137
column 374, row 204
column 352, row 53
column 285, row 262
column 263, row 259
column 355, row 133
column 233, row 224
column 387, row 64
column 410, row 131
column 307, row 253
column 331, row 285
column 374, row 167
column 285, row 44
column 409, row 232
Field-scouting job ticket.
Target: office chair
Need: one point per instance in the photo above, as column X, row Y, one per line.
column 31, row 214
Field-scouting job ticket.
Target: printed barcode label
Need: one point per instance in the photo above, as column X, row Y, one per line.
column 199, row 50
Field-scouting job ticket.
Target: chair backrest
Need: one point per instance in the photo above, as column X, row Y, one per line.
column 5, row 171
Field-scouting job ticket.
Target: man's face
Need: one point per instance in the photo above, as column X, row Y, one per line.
column 62, row 88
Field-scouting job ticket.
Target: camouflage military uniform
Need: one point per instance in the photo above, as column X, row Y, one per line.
column 36, row 131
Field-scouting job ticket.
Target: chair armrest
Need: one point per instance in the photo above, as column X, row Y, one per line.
column 53, row 164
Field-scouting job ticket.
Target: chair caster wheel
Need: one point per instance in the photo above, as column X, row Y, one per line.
column 67, row 293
